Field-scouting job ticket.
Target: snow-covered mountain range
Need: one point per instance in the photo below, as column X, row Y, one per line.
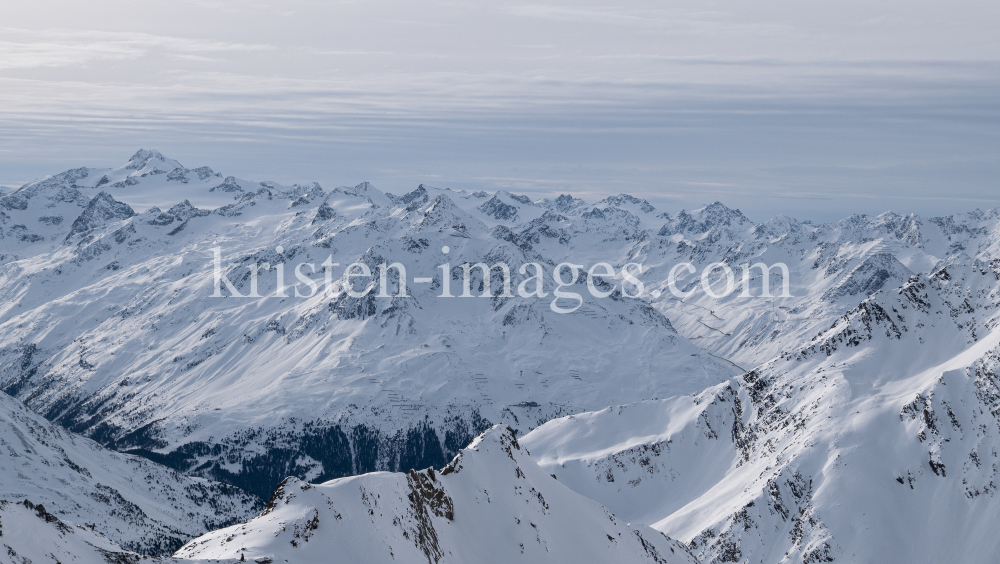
column 876, row 440
column 492, row 503
column 808, row 426
column 129, row 501
column 110, row 327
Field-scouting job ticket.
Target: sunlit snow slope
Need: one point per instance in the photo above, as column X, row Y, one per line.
column 492, row 504
column 109, row 326
column 852, row 419
column 135, row 503
column 874, row 441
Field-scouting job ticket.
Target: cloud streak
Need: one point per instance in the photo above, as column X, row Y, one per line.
column 771, row 107
column 60, row 47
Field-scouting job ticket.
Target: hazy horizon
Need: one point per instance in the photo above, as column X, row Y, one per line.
column 814, row 111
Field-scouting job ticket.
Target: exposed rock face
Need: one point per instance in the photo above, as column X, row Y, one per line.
column 884, row 425
column 878, row 271
column 32, row 534
column 117, row 336
column 491, row 504
column 101, row 210
column 73, row 482
column 131, row 386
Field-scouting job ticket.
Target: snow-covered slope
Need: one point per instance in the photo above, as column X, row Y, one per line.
column 831, row 267
column 32, row 534
column 133, row 502
column 492, row 503
column 875, row 441
column 110, row 328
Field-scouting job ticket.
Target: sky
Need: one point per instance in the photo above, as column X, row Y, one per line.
column 816, row 110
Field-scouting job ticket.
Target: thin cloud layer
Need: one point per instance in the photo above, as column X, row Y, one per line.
column 26, row 49
column 768, row 107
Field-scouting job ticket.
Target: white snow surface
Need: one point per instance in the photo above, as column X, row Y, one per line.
column 854, row 420
column 876, row 441
column 109, row 327
column 32, row 534
column 133, row 502
column 492, row 504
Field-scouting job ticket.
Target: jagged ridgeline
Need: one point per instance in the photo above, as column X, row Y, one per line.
column 874, row 440
column 78, row 495
column 111, row 330
column 110, row 327
column 492, row 503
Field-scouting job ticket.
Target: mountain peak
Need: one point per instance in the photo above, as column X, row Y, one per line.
column 711, row 222
column 496, row 208
column 491, row 504
column 419, row 195
column 142, row 157
column 101, row 209
column 624, row 199
column 566, row 203
column 719, row 212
